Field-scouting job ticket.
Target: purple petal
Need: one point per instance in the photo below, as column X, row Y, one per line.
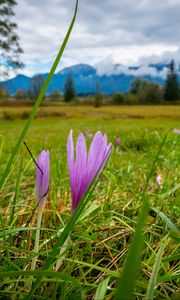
column 71, row 166
column 86, row 167
column 42, row 176
column 95, row 155
column 80, row 167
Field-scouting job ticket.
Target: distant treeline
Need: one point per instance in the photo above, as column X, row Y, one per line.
column 141, row 92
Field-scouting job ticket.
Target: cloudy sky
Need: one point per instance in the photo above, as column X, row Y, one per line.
column 106, row 32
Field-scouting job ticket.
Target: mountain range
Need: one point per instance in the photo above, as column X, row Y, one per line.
column 85, row 77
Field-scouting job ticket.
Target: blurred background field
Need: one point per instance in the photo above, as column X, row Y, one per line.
column 62, row 111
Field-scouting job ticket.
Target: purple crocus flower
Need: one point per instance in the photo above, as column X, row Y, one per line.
column 159, row 179
column 42, row 177
column 83, row 170
column 176, row 131
column 118, row 141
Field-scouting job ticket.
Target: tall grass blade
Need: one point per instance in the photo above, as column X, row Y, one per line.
column 166, row 220
column 127, row 280
column 152, row 282
column 64, row 235
column 38, row 102
column 101, row 290
column 60, row 275
column 16, row 192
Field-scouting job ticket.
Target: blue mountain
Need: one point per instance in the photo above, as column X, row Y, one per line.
column 85, row 78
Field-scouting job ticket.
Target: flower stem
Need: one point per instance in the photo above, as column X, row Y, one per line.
column 36, row 246
column 62, row 254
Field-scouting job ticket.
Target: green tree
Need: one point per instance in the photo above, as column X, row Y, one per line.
column 69, row 90
column 151, row 93
column 137, row 84
column 9, row 40
column 145, row 92
column 19, row 94
column 171, row 87
column 3, row 92
column 55, row 94
column 36, row 85
column 118, row 98
column 98, row 97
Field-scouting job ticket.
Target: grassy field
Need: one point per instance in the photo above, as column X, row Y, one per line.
column 98, row 246
column 104, row 112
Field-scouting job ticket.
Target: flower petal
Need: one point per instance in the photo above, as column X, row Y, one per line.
column 42, row 177
column 70, row 158
column 95, row 155
column 80, row 166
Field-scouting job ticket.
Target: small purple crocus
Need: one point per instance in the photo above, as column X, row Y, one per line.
column 176, row 131
column 85, row 167
column 42, row 177
column 159, row 179
column 118, row 141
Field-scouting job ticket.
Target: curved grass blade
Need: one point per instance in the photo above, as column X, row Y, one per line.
column 38, row 102
column 20, row 229
column 16, row 192
column 33, row 112
column 64, row 235
column 152, row 282
column 167, row 221
column 101, row 290
column 40, row 272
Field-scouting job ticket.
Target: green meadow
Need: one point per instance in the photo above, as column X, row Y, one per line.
column 98, row 246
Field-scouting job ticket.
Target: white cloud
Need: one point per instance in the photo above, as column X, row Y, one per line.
column 106, row 67
column 128, row 31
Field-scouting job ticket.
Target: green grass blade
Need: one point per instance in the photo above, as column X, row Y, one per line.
column 167, row 221
column 108, row 272
column 64, row 235
column 2, row 143
column 59, row 275
column 101, row 290
column 16, row 192
column 126, row 283
column 38, row 102
column 20, row 229
column 127, row 280
column 152, row 282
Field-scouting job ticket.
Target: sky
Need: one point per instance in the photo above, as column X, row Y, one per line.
column 106, row 32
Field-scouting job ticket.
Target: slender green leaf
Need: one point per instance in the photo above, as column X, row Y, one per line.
column 94, row 267
column 19, row 229
column 167, row 221
column 16, row 192
column 101, row 290
column 36, row 273
column 37, row 103
column 127, row 280
column 33, row 112
column 152, row 282
column 89, row 211
column 170, row 192
column 66, row 232
column 168, row 277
